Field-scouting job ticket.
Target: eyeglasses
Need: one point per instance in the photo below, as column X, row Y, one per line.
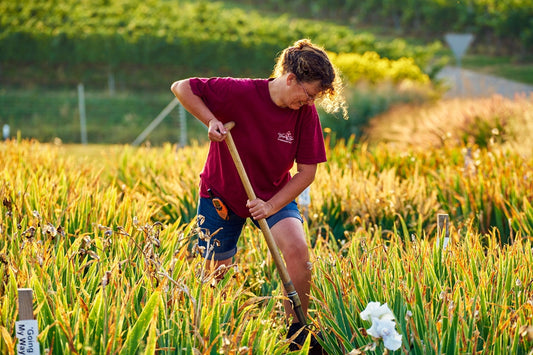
column 309, row 97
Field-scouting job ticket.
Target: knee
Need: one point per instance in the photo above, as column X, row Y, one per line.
column 297, row 252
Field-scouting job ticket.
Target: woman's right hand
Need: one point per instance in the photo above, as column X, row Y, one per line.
column 216, row 132
column 197, row 107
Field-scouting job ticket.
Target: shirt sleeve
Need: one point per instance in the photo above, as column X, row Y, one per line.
column 213, row 91
column 311, row 148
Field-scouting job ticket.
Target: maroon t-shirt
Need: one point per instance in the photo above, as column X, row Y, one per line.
column 269, row 139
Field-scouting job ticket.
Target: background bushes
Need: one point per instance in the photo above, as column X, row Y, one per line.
column 508, row 23
column 199, row 37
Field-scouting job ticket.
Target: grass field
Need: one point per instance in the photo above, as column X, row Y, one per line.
column 104, row 235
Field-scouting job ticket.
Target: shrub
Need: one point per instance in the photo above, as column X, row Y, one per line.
column 200, row 36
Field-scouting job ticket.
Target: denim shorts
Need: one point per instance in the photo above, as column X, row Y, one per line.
column 227, row 237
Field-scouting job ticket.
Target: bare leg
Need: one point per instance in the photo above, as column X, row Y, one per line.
column 290, row 239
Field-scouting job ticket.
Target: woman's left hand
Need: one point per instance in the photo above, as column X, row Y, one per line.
column 259, row 209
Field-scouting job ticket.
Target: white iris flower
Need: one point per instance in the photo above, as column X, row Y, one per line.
column 383, row 325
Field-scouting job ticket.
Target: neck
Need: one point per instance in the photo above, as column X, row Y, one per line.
column 274, row 88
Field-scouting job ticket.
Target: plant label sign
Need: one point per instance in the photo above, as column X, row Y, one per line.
column 27, row 332
column 305, row 197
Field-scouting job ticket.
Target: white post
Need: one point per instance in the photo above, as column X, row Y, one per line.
column 81, row 106
column 183, row 127
column 5, row 131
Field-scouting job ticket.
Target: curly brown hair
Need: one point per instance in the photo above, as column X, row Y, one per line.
column 309, row 62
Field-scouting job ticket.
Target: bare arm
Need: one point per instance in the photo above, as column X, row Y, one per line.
column 303, row 178
column 196, row 106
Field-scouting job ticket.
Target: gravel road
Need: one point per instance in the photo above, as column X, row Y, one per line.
column 467, row 83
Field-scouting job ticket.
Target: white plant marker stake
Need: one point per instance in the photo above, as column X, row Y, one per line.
column 443, row 223
column 26, row 327
column 304, row 200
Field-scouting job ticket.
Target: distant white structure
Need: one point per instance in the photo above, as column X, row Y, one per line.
column 5, row 131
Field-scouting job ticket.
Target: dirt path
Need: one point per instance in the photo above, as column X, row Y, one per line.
column 467, row 83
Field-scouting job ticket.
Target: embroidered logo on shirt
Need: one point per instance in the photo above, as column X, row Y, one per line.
column 286, row 137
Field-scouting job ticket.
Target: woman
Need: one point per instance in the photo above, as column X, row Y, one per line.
column 276, row 124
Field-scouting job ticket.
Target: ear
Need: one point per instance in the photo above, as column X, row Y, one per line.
column 290, row 78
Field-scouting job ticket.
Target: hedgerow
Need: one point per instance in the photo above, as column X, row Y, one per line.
column 201, row 36
column 505, row 25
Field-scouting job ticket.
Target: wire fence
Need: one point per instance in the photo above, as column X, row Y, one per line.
column 98, row 117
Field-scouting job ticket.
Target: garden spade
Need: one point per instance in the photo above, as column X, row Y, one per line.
column 280, row 265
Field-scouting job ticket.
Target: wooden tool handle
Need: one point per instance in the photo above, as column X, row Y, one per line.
column 280, row 265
